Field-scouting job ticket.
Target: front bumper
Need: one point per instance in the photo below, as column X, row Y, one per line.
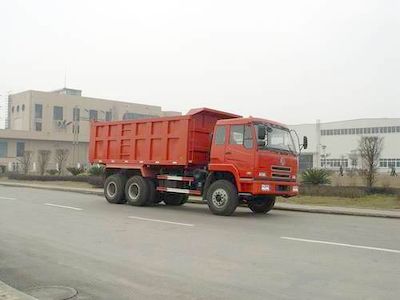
column 267, row 187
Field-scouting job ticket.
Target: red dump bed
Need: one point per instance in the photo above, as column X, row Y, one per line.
column 181, row 140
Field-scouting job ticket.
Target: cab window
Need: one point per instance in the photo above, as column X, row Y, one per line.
column 220, row 134
column 241, row 135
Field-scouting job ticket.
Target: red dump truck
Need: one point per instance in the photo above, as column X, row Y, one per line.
column 225, row 158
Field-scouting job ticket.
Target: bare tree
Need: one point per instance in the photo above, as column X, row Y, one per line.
column 43, row 160
column 370, row 148
column 61, row 156
column 26, row 161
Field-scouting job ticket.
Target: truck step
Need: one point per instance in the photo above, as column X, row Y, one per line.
column 175, row 178
column 179, row 191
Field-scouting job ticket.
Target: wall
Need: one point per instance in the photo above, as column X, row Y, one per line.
column 77, row 153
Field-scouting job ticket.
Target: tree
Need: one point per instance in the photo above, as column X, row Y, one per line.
column 43, row 160
column 370, row 148
column 26, row 161
column 61, row 156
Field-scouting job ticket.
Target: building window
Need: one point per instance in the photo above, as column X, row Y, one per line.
column 367, row 130
column 133, row 116
column 12, row 109
column 58, row 113
column 3, row 148
column 389, row 163
column 76, row 114
column 93, row 115
column 20, row 149
column 334, row 163
column 38, row 126
column 38, row 111
column 108, row 116
column 23, row 107
column 220, row 135
column 17, row 108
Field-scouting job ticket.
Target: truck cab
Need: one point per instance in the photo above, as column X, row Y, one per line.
column 261, row 156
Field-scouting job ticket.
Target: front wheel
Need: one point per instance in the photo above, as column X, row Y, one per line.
column 222, row 198
column 262, row 205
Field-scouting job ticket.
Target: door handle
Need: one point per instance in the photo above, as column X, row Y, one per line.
column 228, row 152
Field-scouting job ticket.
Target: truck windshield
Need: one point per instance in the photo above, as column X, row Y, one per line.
column 276, row 138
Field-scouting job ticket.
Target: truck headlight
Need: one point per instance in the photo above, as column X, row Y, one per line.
column 295, row 189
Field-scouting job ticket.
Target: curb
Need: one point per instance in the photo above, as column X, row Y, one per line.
column 55, row 188
column 9, row 293
column 362, row 212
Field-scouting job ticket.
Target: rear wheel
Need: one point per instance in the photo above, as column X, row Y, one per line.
column 114, row 189
column 137, row 191
column 222, row 198
column 262, row 204
column 175, row 199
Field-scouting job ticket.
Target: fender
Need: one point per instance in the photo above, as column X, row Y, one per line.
column 227, row 168
column 144, row 171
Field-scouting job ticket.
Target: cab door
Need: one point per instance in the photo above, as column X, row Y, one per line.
column 239, row 149
column 217, row 155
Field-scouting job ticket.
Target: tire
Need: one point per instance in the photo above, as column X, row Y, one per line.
column 222, row 198
column 175, row 199
column 114, row 186
column 262, row 205
column 137, row 191
column 154, row 195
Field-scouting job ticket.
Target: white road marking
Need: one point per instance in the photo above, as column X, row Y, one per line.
column 63, row 206
column 160, row 221
column 7, row 198
column 341, row 244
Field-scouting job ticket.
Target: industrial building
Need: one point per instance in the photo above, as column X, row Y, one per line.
column 335, row 144
column 60, row 119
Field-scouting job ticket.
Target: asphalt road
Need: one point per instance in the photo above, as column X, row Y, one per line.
column 121, row 252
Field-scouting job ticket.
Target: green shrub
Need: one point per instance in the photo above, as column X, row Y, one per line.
column 52, row 172
column 96, row 170
column 76, row 171
column 316, row 176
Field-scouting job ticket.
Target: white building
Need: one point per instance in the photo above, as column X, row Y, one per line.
column 335, row 144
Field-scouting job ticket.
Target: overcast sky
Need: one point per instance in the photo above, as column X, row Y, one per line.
column 289, row 60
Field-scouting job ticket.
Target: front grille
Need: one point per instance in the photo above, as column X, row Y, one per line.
column 281, row 176
column 281, row 169
column 280, row 172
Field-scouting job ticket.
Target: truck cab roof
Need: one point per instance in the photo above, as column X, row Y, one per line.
column 248, row 120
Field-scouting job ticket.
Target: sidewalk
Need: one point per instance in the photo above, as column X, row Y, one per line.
column 9, row 293
column 279, row 206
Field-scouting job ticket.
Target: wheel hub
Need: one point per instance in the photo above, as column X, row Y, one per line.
column 134, row 191
column 111, row 189
column 219, row 198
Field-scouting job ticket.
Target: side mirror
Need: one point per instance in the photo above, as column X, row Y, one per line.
column 305, row 142
column 261, row 133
